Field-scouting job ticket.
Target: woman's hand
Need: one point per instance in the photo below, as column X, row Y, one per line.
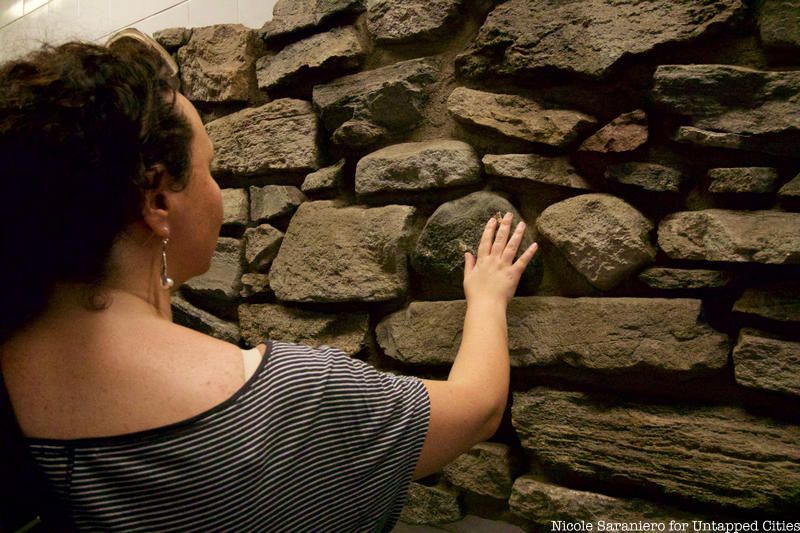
column 494, row 275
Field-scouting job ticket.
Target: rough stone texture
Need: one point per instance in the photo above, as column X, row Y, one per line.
column 338, row 254
column 625, row 133
column 685, row 278
column 387, row 99
column 235, row 207
column 614, row 335
column 771, row 237
column 323, row 54
column 261, row 246
column 732, row 106
column 189, row 316
column 345, row 331
column 647, row 176
column 776, row 301
column 358, row 134
column 541, row 503
column 274, row 201
column 523, row 38
column 279, row 136
column 430, row 505
column 716, row 455
column 417, row 166
column 791, row 189
column 779, row 23
column 536, row 168
column 218, row 64
column 222, row 280
column 293, row 16
column 744, row 179
column 602, row 236
column 767, row 363
column 325, row 179
column 486, row 469
column 173, row 38
column 390, row 21
column 255, row 284
column 456, row 227
column 518, row 117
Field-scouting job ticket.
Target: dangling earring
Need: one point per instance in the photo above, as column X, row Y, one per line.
column 166, row 282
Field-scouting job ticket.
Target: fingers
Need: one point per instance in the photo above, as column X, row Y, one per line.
column 486, row 239
column 513, row 243
column 526, row 256
column 502, row 234
column 469, row 263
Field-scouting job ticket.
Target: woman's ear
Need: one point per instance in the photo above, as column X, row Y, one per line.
column 157, row 200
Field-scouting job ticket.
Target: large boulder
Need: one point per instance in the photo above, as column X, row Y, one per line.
column 456, row 227
column 517, row 117
column 771, row 237
column 218, row 64
column 345, row 331
column 535, row 168
column 294, row 17
column 322, row 55
column 602, row 236
column 417, row 166
column 718, row 456
column 767, row 363
column 279, row 136
column 638, row 336
column 361, row 109
column 732, row 107
column 390, row 21
column 338, row 254
column 522, row 39
column 625, row 133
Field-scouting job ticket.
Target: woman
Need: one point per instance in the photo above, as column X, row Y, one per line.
column 115, row 418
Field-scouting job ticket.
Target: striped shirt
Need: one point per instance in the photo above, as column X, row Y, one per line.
column 314, row 441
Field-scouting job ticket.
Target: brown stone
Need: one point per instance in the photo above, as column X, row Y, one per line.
column 235, row 207
column 517, row 117
column 779, row 24
column 254, row 283
column 486, row 470
column 261, row 246
column 647, row 176
column 535, row 168
column 791, row 189
column 274, row 201
column 291, row 17
column 771, row 237
column 743, row 180
column 325, row 179
column 222, row 280
column 767, row 363
column 625, row 133
column 719, row 456
column 430, row 505
column 192, row 317
column 685, row 278
column 774, row 301
column 173, row 38
column 390, row 21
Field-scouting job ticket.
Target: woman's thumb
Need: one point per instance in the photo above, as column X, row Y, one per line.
column 469, row 263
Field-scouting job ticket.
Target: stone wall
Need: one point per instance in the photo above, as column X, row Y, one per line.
column 652, row 147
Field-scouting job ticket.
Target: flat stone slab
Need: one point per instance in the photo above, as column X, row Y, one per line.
column 344, row 331
column 771, row 237
column 279, row 136
column 274, row 201
column 487, row 469
column 236, row 207
column 417, row 166
column 535, row 168
column 376, row 102
column 625, row 133
column 338, row 254
column 222, row 280
column 192, row 317
column 324, row 54
column 524, row 39
column 779, row 24
column 757, row 180
column 640, row 336
column 602, row 236
column 731, row 106
column 390, row 21
column 518, row 117
column 713, row 455
column 261, row 245
column 543, row 503
column 217, row 64
column 685, row 278
column 430, row 505
column 456, row 227
column 774, row 301
column 647, row 176
column 290, row 17
column 325, row 179
column 766, row 363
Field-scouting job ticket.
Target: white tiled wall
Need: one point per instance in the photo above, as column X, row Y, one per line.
column 24, row 24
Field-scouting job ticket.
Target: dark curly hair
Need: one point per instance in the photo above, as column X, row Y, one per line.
column 80, row 126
